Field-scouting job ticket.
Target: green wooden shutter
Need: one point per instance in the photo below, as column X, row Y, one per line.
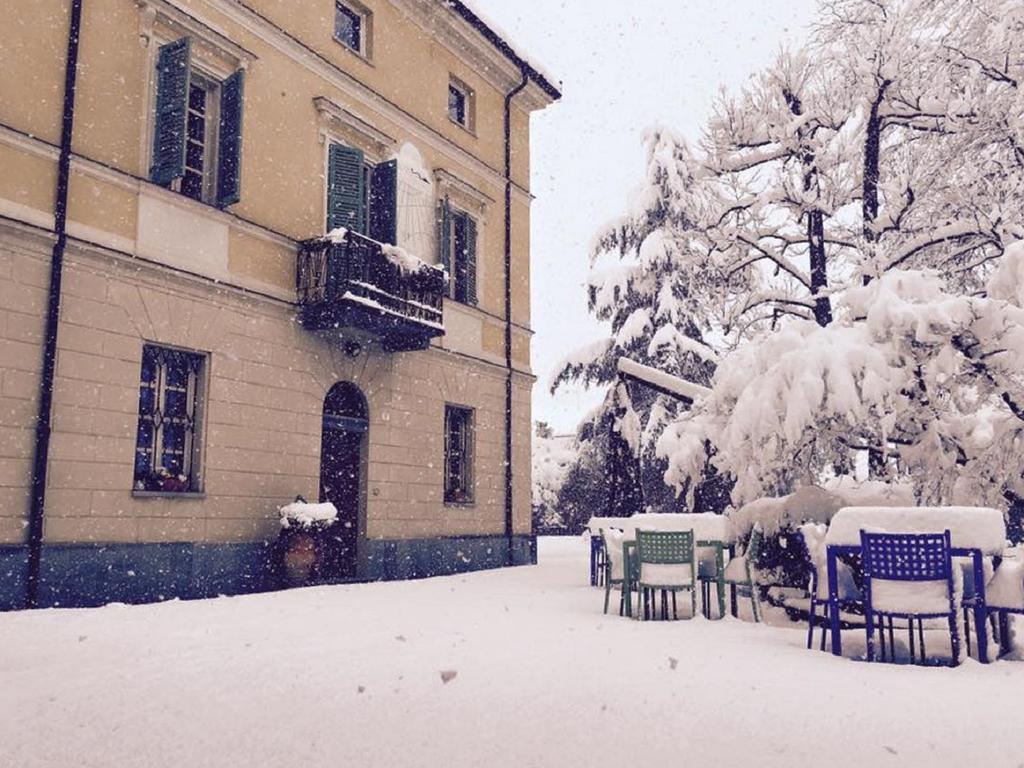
column 383, row 214
column 469, row 259
column 444, row 240
column 173, row 72
column 345, row 189
column 229, row 162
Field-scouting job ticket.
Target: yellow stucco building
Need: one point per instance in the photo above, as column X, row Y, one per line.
column 296, row 262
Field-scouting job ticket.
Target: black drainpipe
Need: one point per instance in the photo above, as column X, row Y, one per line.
column 508, row 314
column 60, row 218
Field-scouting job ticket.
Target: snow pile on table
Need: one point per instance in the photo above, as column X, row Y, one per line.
column 301, row 514
column 808, row 504
column 970, row 527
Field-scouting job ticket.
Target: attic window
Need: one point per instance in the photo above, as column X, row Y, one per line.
column 352, row 24
column 460, row 104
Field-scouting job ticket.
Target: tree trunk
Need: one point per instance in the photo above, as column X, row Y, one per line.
column 815, row 222
column 869, row 213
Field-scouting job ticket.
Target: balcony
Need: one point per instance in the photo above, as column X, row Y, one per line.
column 369, row 291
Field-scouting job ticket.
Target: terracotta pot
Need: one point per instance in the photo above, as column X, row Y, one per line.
column 299, row 557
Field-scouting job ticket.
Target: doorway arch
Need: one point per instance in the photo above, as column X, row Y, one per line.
column 343, row 448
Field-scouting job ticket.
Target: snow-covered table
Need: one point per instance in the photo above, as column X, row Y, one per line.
column 975, row 532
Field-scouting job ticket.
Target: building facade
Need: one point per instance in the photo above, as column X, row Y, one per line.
column 295, row 265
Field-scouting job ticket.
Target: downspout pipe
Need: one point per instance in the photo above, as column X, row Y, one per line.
column 44, row 420
column 509, row 527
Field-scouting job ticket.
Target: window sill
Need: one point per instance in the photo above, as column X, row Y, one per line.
column 168, row 494
column 358, row 54
column 460, row 504
column 466, row 128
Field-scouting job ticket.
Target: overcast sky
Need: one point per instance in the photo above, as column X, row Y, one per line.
column 624, row 66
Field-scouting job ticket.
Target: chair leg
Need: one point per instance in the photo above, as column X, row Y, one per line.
column 881, row 638
column 954, row 638
column 607, row 594
column 675, row 608
column 910, row 631
column 892, row 642
column 810, row 624
column 967, row 630
column 755, row 603
column 693, row 602
column 869, row 628
column 920, row 636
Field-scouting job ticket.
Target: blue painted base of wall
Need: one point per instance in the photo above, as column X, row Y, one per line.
column 421, row 558
column 87, row 575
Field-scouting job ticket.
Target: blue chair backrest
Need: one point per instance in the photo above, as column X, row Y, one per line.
column 906, row 556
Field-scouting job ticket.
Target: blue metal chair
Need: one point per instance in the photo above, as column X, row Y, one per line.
column 598, row 560
column 908, row 576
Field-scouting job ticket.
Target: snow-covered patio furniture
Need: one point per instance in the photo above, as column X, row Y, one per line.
column 666, row 561
column 1005, row 596
column 614, row 568
column 975, row 533
column 739, row 573
column 713, row 535
column 597, row 554
column 908, row 576
column 813, row 537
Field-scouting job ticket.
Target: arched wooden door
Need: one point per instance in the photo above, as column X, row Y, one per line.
column 342, row 455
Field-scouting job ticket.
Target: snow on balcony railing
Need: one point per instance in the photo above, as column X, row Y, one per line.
column 345, row 266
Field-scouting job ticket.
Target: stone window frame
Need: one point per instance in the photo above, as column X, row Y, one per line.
column 468, row 96
column 465, row 495
column 197, row 393
column 365, row 16
column 215, row 58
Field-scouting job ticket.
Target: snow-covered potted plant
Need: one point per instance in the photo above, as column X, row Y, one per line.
column 302, row 539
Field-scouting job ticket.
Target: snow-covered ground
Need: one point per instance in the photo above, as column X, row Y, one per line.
column 505, row 668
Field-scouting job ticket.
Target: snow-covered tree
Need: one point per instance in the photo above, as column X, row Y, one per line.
column 934, row 379
column 889, row 151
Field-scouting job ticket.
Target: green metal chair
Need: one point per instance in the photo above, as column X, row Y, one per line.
column 739, row 573
column 614, row 569
column 666, row 560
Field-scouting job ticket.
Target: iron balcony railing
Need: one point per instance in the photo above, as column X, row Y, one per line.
column 353, row 281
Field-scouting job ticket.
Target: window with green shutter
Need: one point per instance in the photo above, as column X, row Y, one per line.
column 458, row 245
column 346, row 189
column 197, row 135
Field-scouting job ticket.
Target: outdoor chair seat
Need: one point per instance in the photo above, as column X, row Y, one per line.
column 666, row 575
column 918, row 598
column 736, row 569
column 1006, row 589
column 739, row 573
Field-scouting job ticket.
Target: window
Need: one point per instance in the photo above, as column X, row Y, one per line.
column 458, row 243
column 166, row 444
column 460, row 104
column 458, row 455
column 197, row 134
column 362, row 197
column 352, row 27
column 200, row 140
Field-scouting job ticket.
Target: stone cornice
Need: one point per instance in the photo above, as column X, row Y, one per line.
column 182, row 23
column 450, row 29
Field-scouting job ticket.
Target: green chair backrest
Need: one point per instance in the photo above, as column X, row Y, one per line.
column 664, row 546
column 754, row 545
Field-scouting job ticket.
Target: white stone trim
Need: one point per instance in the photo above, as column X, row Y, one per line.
column 336, row 120
column 181, row 24
column 450, row 184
